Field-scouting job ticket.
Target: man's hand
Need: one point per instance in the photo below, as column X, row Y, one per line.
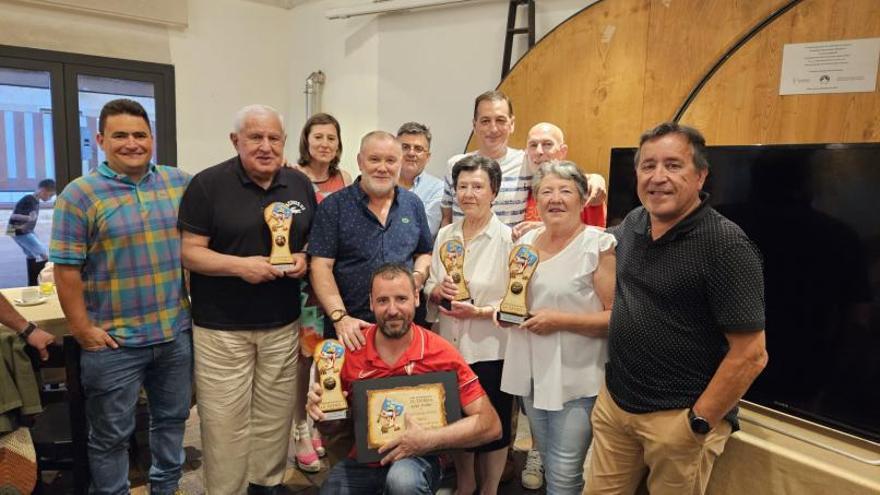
column 542, row 322
column 40, row 340
column 444, row 290
column 521, row 228
column 414, row 442
column 94, row 339
column 348, row 329
column 300, row 265
column 257, row 269
column 598, row 190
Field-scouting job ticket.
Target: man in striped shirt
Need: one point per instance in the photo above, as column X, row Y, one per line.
column 493, row 123
column 116, row 250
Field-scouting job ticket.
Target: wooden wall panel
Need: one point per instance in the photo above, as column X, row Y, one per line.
column 741, row 103
column 621, row 66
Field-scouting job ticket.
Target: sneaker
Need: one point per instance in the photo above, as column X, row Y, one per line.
column 533, row 473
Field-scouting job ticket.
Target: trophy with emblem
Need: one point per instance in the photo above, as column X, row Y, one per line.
column 328, row 362
column 452, row 257
column 522, row 262
column 279, row 218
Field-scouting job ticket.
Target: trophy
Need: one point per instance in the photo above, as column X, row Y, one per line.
column 328, row 363
column 279, row 217
column 452, row 257
column 522, row 263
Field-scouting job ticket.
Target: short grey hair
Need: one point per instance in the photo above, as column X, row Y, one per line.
column 565, row 170
column 255, row 109
column 416, row 129
column 378, row 135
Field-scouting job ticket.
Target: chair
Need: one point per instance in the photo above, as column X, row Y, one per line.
column 60, row 433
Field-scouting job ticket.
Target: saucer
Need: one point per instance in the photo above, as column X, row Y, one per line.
column 32, row 302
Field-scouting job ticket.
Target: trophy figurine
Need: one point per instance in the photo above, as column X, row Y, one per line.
column 452, row 257
column 522, row 263
column 328, row 363
column 279, row 218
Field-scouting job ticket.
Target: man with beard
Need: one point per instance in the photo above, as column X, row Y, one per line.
column 395, row 346
column 357, row 229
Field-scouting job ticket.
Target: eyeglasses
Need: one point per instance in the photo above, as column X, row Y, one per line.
column 417, row 149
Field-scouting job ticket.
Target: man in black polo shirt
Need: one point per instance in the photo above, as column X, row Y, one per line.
column 686, row 337
column 245, row 310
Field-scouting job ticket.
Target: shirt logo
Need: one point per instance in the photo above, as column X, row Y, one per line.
column 296, row 207
column 405, row 220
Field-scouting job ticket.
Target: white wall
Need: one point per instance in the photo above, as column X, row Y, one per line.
column 233, row 53
column 382, row 70
column 426, row 65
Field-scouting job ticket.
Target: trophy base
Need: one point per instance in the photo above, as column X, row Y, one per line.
column 284, row 267
column 511, row 318
column 335, row 415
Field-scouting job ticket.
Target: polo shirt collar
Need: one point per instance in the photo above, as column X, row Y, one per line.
column 362, row 195
column 643, row 225
column 415, row 351
column 105, row 170
column 280, row 180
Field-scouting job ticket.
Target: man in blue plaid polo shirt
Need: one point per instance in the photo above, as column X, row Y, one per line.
column 116, row 250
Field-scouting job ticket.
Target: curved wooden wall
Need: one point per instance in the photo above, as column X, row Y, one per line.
column 620, row 66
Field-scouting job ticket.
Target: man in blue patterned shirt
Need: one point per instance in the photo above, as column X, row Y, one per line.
column 116, row 250
column 357, row 229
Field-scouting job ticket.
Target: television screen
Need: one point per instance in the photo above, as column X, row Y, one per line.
column 814, row 212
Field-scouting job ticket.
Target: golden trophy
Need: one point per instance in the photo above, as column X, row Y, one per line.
column 279, row 218
column 522, row 262
column 452, row 257
column 328, row 363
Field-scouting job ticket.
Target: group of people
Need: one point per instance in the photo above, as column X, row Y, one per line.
column 639, row 340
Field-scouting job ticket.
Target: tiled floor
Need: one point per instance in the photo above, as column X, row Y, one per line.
column 295, row 481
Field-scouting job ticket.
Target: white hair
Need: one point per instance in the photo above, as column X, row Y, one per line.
column 256, row 109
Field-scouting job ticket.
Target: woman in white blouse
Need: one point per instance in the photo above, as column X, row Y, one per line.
column 556, row 359
column 468, row 325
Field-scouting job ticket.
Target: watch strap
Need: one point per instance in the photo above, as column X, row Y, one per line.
column 28, row 330
column 337, row 315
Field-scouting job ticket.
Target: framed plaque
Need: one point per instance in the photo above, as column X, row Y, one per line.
column 380, row 408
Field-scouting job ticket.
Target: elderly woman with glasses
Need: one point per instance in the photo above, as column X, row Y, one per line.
column 484, row 244
column 556, row 359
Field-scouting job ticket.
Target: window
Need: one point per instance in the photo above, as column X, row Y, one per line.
column 49, row 107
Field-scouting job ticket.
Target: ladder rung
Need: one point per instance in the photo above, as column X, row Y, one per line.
column 518, row 31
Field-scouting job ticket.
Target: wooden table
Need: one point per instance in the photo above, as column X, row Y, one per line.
column 47, row 316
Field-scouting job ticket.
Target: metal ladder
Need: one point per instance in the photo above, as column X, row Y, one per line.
column 512, row 30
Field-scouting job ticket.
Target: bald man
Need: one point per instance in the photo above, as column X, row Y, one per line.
column 546, row 142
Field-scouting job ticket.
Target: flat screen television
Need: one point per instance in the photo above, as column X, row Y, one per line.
column 814, row 213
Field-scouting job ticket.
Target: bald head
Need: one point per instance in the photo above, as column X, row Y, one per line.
column 545, row 142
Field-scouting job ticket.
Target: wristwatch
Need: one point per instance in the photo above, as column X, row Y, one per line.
column 699, row 425
column 28, row 330
column 337, row 315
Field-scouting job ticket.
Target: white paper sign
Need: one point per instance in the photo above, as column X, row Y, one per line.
column 843, row 66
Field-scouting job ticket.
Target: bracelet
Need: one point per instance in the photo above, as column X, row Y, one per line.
column 28, row 330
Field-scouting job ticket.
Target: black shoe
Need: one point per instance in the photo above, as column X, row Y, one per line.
column 254, row 489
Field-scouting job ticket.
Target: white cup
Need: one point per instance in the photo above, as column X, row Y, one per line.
column 30, row 294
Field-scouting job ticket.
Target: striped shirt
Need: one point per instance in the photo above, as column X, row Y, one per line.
column 516, row 180
column 124, row 237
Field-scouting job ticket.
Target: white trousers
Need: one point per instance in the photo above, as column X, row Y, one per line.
column 245, row 381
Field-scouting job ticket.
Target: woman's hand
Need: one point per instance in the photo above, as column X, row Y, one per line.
column 464, row 310
column 444, row 290
column 543, row 322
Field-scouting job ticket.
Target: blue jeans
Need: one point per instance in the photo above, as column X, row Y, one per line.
column 32, row 246
column 563, row 438
column 111, row 381
column 413, row 475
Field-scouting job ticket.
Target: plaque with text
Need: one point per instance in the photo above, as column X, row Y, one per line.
column 382, row 405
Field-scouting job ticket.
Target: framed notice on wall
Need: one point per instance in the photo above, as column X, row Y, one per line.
column 843, row 66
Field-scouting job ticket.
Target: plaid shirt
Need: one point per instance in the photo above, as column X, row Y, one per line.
column 125, row 238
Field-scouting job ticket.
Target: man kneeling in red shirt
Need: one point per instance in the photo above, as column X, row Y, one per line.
column 396, row 346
